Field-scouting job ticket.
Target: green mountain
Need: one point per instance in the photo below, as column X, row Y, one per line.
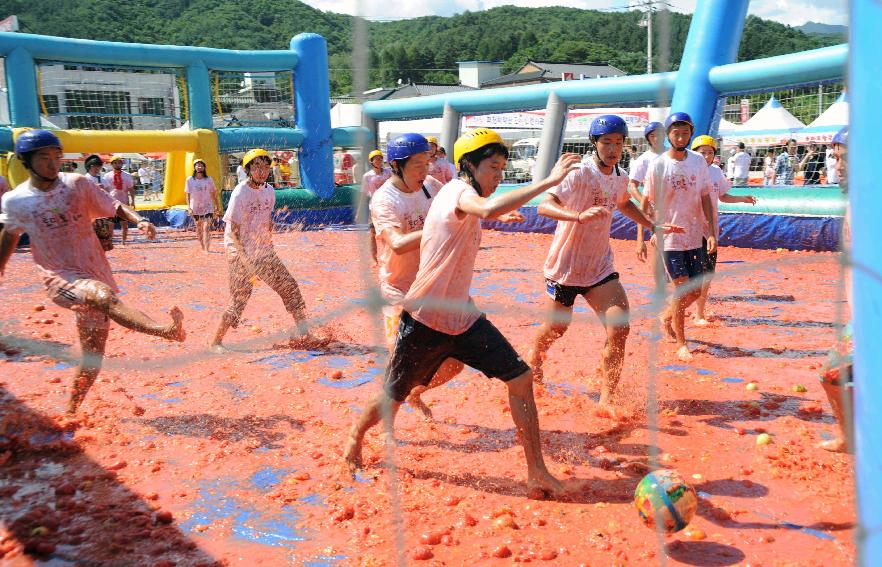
column 420, row 50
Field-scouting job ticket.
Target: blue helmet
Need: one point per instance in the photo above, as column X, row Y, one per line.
column 678, row 117
column 33, row 140
column 840, row 137
column 405, row 146
column 650, row 128
column 607, row 124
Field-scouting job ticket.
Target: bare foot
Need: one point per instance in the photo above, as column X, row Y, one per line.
column 218, row 349
column 541, row 486
column 177, row 329
column 352, row 455
column 833, row 445
column 684, row 354
column 417, row 403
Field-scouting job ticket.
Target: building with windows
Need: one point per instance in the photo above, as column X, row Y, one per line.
column 76, row 96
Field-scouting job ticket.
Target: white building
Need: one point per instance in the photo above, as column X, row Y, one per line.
column 78, row 96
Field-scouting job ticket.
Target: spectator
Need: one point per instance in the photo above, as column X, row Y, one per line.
column 830, row 166
column 145, row 180
column 241, row 174
column 441, row 159
column 277, row 172
column 811, row 165
column 741, row 166
column 785, row 164
column 769, row 168
column 121, row 185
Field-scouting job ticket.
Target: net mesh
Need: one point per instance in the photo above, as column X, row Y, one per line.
column 252, row 99
column 105, row 97
column 4, row 95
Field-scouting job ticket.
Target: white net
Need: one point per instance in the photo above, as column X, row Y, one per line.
column 103, row 97
column 262, row 98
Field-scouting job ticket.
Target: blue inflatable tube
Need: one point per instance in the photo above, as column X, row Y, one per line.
column 112, row 53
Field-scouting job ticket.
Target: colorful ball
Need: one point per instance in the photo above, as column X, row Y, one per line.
column 664, row 500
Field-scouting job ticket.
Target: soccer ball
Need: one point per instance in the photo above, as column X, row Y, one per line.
column 665, row 501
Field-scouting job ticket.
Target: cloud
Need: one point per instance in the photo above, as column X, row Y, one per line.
column 790, row 12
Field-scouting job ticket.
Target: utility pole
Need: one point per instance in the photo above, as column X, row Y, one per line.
column 649, row 38
column 649, row 5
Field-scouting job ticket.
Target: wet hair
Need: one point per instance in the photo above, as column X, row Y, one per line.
column 476, row 157
column 397, row 165
column 204, row 169
column 740, row 145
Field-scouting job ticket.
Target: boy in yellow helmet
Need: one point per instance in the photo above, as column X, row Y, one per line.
column 440, row 320
column 707, row 147
column 248, row 239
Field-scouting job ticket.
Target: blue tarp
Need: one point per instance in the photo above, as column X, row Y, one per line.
column 742, row 230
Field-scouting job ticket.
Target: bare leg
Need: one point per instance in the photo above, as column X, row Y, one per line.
column 206, row 227
column 700, row 318
column 371, row 416
column 137, row 321
column 99, row 296
column 540, row 482
column 679, row 303
column 838, row 397
column 610, row 303
column 93, row 342
column 199, row 238
column 124, row 228
column 557, row 321
column 240, row 292
column 448, row 370
column 374, row 244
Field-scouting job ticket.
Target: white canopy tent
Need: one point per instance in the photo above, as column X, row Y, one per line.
column 771, row 125
column 822, row 128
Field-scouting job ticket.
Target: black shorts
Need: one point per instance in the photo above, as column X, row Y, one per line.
column 420, row 351
column 566, row 294
column 710, row 258
column 684, row 263
column 206, row 216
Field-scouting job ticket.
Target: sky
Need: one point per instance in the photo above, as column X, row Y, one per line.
column 790, row 12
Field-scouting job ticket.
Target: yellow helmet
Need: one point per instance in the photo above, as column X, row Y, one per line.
column 198, row 160
column 474, row 140
column 255, row 153
column 114, row 158
column 704, row 141
column 373, row 154
column 432, row 140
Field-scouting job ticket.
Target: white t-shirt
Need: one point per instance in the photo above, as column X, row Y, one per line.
column 252, row 210
column 719, row 187
column 580, row 254
column 201, row 192
column 391, row 208
column 830, row 166
column 448, row 250
column 144, row 175
column 371, row 181
column 441, row 170
column 121, row 195
column 741, row 165
column 59, row 224
column 676, row 188
column 640, row 165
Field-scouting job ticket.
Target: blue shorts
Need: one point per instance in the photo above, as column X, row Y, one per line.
column 566, row 294
column 420, row 351
column 684, row 263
